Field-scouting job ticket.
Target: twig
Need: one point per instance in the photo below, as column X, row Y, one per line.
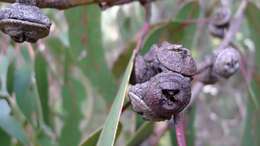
column 179, row 128
column 65, row 4
column 144, row 30
column 195, row 91
column 234, row 26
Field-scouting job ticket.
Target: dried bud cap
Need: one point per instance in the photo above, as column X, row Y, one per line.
column 24, row 22
column 171, row 57
column 227, row 62
column 177, row 59
column 162, row 96
column 142, row 71
column 221, row 17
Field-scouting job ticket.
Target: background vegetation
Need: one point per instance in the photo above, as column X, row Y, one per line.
column 66, row 87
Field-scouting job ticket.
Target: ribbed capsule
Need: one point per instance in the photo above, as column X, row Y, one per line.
column 227, row 62
column 161, row 58
column 161, row 97
column 24, row 22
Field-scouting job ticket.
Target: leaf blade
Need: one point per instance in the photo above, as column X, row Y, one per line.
column 107, row 137
column 10, row 125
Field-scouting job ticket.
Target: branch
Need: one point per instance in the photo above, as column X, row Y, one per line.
column 65, row 4
column 195, row 91
column 234, row 26
column 144, row 30
column 180, row 129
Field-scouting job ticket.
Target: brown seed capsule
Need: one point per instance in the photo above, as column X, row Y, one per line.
column 227, row 62
column 163, row 95
column 221, row 17
column 171, row 57
column 142, row 71
column 224, row 64
column 24, row 22
column 166, row 57
column 177, row 59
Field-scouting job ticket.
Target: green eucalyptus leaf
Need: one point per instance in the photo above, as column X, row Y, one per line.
column 252, row 14
column 87, row 50
column 93, row 138
column 10, row 125
column 251, row 128
column 5, row 138
column 41, row 75
column 73, row 95
column 108, row 134
column 26, row 93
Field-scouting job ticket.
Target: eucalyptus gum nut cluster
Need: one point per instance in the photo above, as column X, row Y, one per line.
column 164, row 95
column 162, row 81
column 24, row 22
column 164, row 57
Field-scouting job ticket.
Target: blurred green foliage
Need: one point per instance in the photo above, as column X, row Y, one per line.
column 61, row 90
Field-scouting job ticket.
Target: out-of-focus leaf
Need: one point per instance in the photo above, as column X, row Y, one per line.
column 3, row 75
column 73, row 94
column 177, row 31
column 107, row 137
column 139, row 121
column 128, row 24
column 26, row 93
column 45, row 140
column 141, row 134
column 93, row 138
column 190, row 130
column 56, row 47
column 121, row 63
column 248, row 135
column 86, row 48
column 41, row 75
column 10, row 78
column 173, row 137
column 5, row 138
column 189, row 11
column 251, row 129
column 22, row 87
column 10, row 125
column 252, row 14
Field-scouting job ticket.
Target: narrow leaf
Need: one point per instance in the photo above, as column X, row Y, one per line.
column 251, row 128
column 93, row 138
column 73, row 95
column 5, row 138
column 86, row 48
column 41, row 75
column 10, row 125
column 107, row 137
column 26, row 94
